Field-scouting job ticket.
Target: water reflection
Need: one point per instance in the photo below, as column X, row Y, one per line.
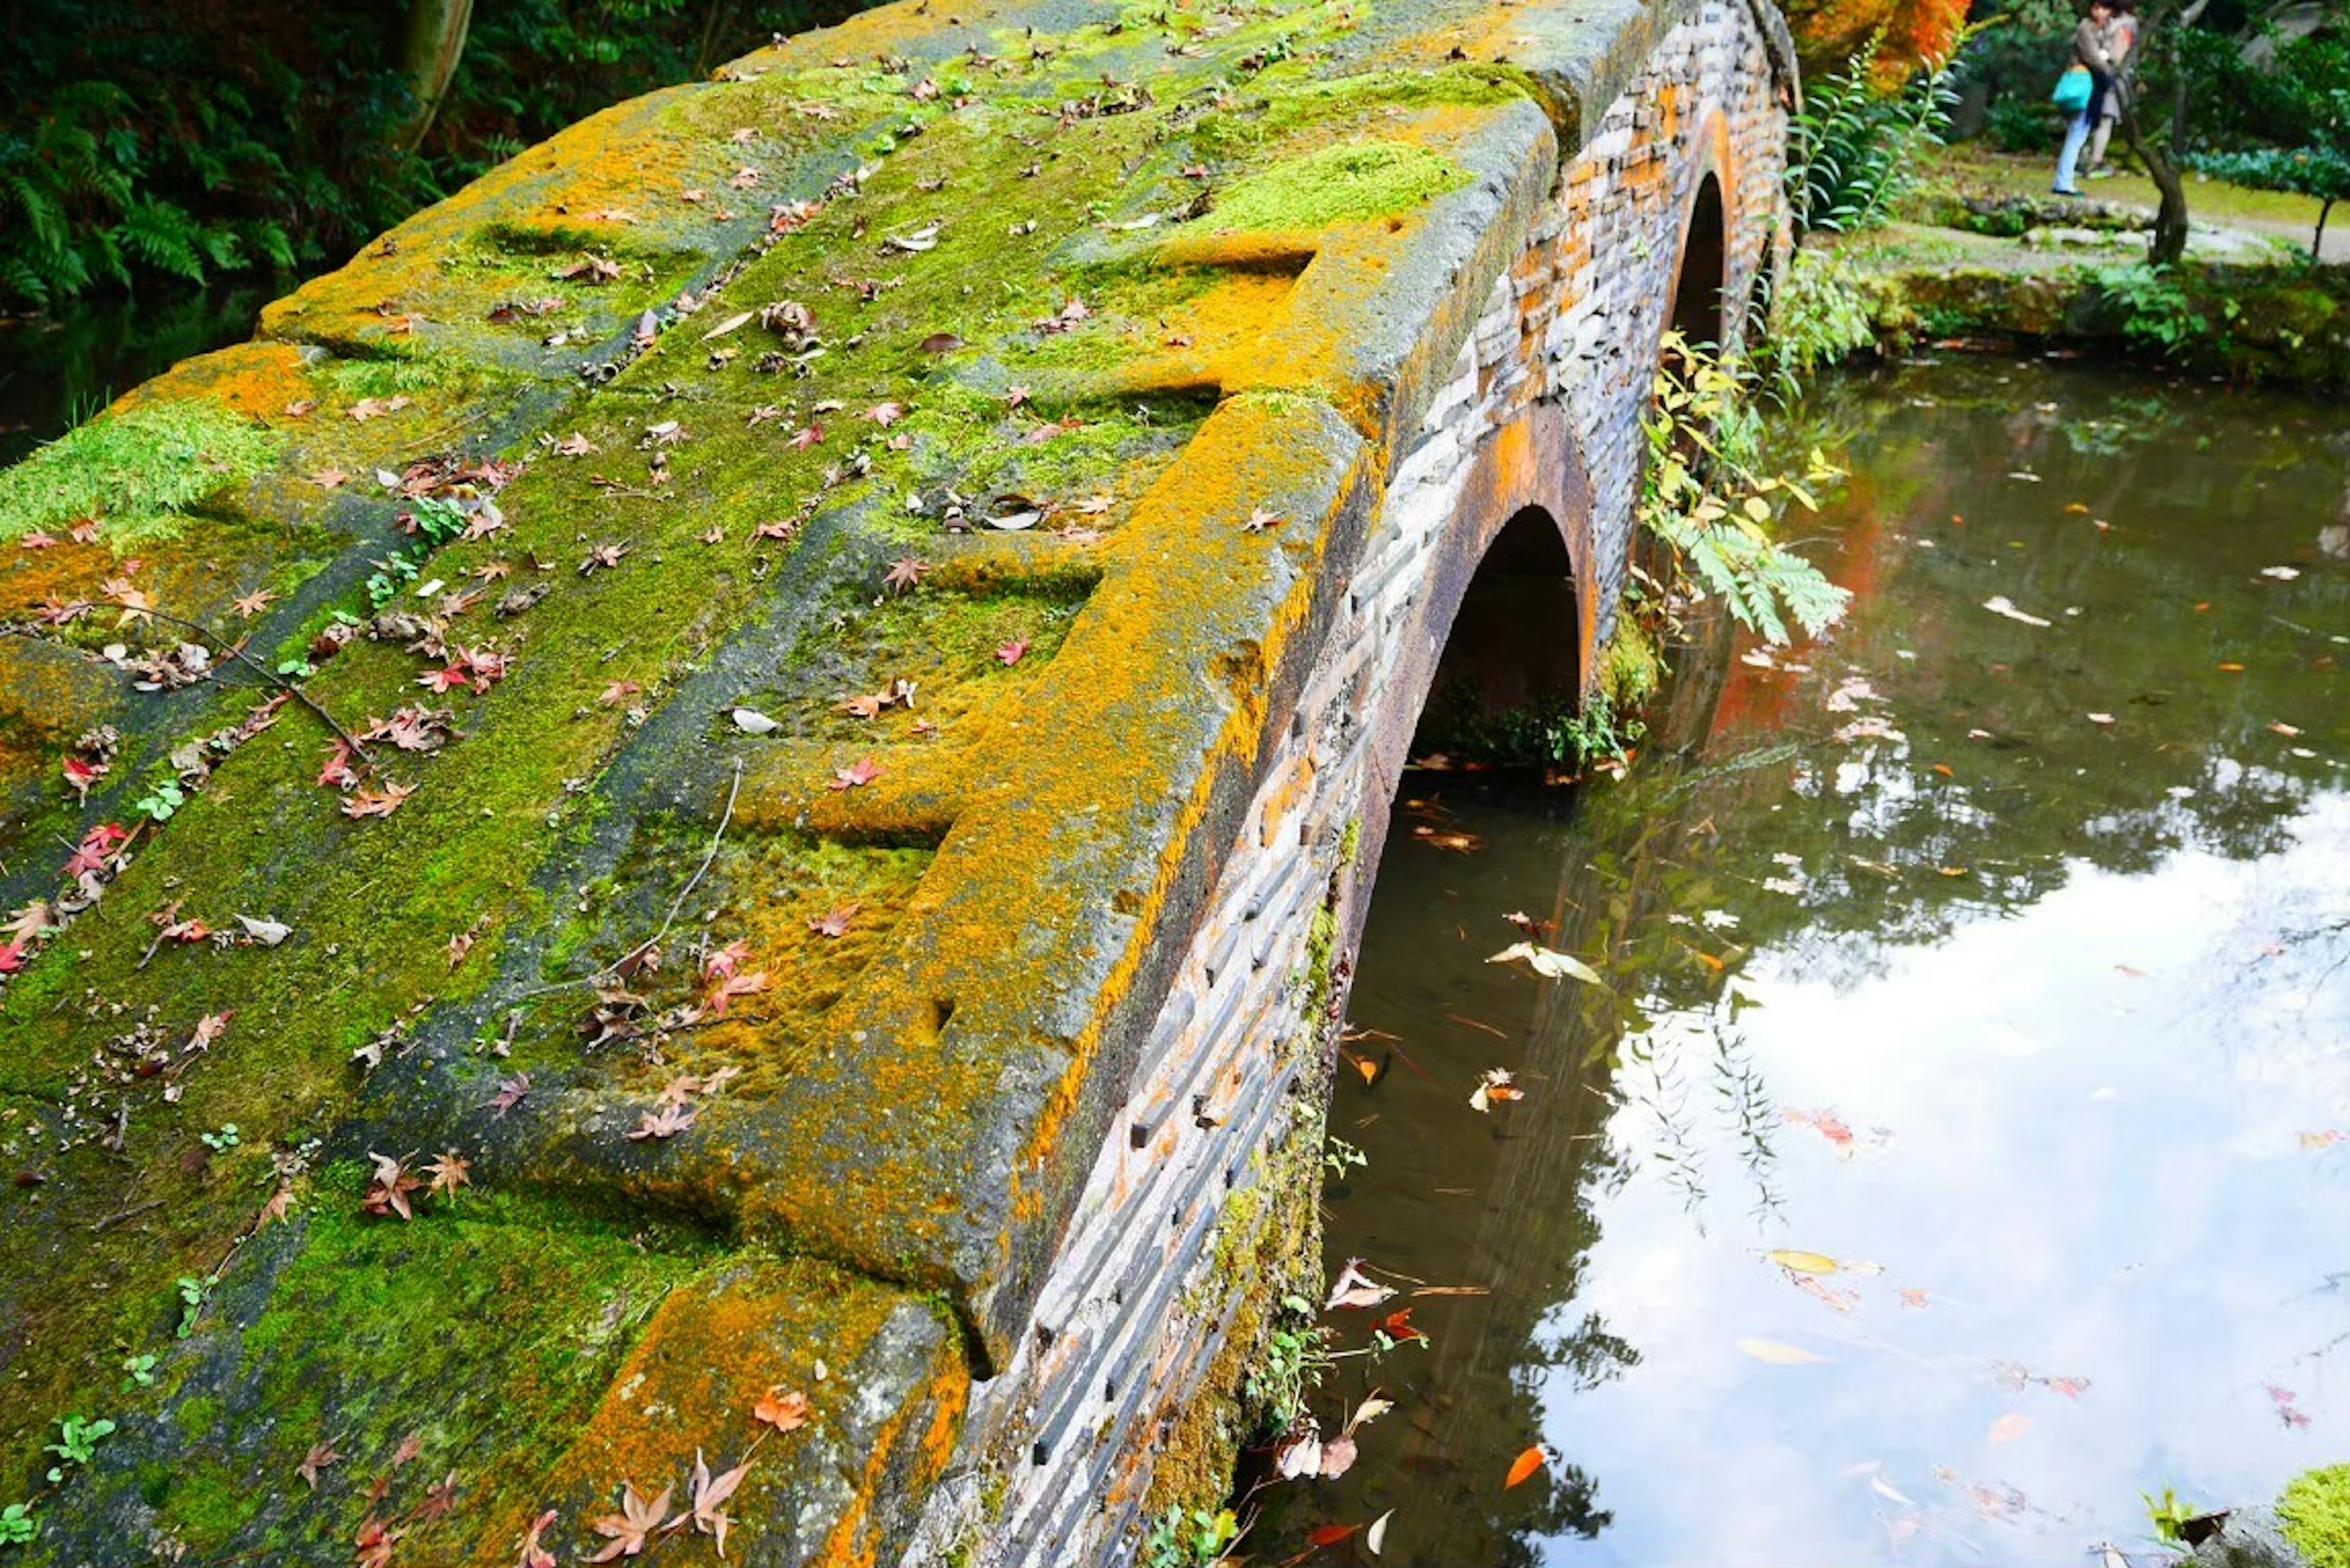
column 1989, row 965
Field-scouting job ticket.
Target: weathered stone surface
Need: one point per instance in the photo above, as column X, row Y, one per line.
column 919, row 1056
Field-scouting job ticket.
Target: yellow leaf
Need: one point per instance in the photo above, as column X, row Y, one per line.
column 1778, row 1354
column 1804, row 1263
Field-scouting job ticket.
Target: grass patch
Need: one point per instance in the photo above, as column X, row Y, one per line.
column 140, row 470
column 1353, row 179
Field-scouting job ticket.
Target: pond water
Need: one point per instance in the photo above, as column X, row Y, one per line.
column 1988, row 966
column 58, row 371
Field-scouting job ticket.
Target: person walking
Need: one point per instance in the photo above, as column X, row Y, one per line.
column 2105, row 108
column 2089, row 51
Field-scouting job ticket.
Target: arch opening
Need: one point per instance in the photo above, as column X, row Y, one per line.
column 1701, row 286
column 1510, row 668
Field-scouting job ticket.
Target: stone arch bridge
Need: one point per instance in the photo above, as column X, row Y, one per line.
column 710, row 808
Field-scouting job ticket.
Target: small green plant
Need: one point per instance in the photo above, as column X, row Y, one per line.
column 193, row 1292
column 2156, row 312
column 1708, row 499
column 1339, row 1157
column 2169, row 1514
column 141, row 1369
column 1194, row 1540
column 1599, row 734
column 220, row 1142
column 76, row 1443
column 160, row 802
column 1297, row 1358
column 16, row 1525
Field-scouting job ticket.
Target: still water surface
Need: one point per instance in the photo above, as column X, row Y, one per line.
column 2006, row 964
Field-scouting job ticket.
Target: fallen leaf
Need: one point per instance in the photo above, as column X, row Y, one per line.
column 1353, row 1288
column 1011, row 652
column 1261, row 519
column 320, row 1456
column 863, row 770
column 2000, row 604
column 1548, row 962
column 378, row 803
column 448, row 1173
column 784, row 1411
column 1913, row 1297
column 1888, row 1491
column 904, row 573
column 751, row 721
column 1376, row 1535
column 1802, row 1262
column 268, row 934
column 388, row 1192
column 1524, row 1465
column 631, row 1529
column 1329, row 1534
column 834, row 922
column 1778, row 1353
column 2008, row 1427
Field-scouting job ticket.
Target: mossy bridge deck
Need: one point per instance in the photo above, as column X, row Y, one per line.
column 708, row 810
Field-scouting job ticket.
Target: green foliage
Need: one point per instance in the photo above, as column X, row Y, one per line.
column 76, row 1443
column 1707, row 499
column 1339, row 1157
column 1851, row 150
column 2315, row 1511
column 193, row 1292
column 16, row 1524
column 1194, row 1540
column 141, row 1369
column 144, row 142
column 140, row 470
column 2304, row 100
column 2158, row 312
column 1601, row 734
column 2168, row 1513
column 1297, row 1358
column 1818, row 314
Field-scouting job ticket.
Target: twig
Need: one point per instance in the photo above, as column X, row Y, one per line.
column 675, row 905
column 236, row 651
column 130, row 1213
column 699, row 872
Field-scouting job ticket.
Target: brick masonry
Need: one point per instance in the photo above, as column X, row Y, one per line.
column 1541, row 408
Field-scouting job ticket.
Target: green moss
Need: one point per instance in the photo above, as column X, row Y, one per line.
column 2315, row 1509
column 1630, row 668
column 1353, row 179
column 140, row 469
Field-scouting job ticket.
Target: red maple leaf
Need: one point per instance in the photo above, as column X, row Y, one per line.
column 1011, row 653
column 378, row 801
column 808, row 437
column 337, row 773
column 863, row 770
column 905, row 574
column 97, row 847
column 81, row 776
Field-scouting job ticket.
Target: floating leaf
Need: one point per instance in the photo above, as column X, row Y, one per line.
column 1548, row 962
column 1804, row 1263
column 1778, row 1353
column 1376, row 1536
column 2008, row 1427
column 1524, row 1465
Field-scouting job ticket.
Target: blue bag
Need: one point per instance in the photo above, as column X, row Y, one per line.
column 2073, row 89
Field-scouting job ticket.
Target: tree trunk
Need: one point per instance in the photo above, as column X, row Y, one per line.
column 2317, row 239
column 2161, row 163
column 433, row 44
